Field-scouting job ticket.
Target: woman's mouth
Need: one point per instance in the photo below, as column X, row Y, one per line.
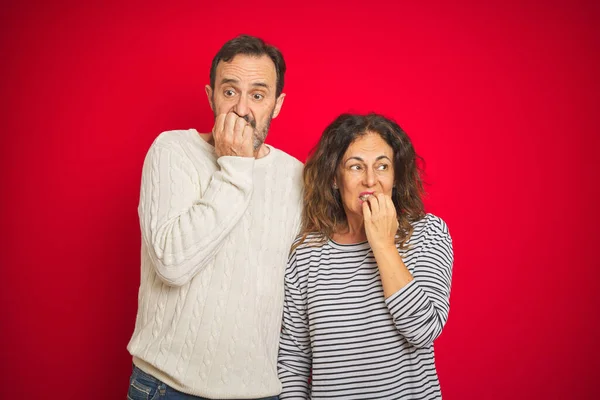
column 365, row 195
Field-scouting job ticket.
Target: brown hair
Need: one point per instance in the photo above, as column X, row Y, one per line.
column 249, row 46
column 323, row 213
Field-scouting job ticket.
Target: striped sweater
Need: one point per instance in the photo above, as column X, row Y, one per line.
column 357, row 344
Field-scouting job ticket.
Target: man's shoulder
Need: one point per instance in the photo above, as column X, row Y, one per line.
column 183, row 143
column 287, row 175
column 174, row 138
column 285, row 158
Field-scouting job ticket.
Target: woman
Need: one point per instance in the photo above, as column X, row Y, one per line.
column 367, row 284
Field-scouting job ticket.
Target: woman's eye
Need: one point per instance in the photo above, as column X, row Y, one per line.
column 382, row 167
column 355, row 167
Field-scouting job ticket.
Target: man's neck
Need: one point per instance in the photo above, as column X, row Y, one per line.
column 262, row 151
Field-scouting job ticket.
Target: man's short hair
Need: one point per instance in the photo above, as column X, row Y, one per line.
column 250, row 46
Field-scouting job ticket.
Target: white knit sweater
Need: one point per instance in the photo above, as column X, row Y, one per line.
column 216, row 235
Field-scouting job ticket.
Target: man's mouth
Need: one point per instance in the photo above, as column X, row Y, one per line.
column 365, row 195
column 252, row 122
column 248, row 119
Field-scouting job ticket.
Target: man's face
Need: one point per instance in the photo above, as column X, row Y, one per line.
column 246, row 85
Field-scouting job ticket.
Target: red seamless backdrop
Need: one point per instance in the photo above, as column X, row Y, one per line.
column 500, row 98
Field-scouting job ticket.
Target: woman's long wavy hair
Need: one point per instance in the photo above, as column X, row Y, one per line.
column 323, row 212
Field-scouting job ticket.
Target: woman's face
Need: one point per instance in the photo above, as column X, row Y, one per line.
column 366, row 168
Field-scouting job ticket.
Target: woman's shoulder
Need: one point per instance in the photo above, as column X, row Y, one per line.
column 298, row 264
column 429, row 227
column 308, row 242
column 430, row 221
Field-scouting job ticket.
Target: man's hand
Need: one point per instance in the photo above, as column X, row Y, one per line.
column 380, row 219
column 233, row 136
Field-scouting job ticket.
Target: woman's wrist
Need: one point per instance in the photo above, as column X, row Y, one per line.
column 383, row 248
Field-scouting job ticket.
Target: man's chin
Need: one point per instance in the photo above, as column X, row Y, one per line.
column 258, row 141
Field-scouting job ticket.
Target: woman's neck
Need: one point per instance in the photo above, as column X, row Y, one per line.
column 352, row 232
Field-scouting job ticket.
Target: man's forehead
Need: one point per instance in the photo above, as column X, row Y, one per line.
column 247, row 68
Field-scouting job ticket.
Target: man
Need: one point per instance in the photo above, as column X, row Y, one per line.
column 218, row 214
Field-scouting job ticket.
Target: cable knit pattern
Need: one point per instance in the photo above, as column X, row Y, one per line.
column 216, row 234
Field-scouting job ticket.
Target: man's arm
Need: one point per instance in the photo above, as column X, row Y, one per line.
column 182, row 227
column 295, row 354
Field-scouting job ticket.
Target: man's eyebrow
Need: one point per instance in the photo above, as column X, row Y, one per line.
column 233, row 81
column 261, row 84
column 225, row 81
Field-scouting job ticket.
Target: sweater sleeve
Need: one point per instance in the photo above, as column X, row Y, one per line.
column 295, row 353
column 420, row 309
column 182, row 227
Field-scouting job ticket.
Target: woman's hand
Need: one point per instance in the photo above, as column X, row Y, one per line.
column 380, row 220
column 381, row 226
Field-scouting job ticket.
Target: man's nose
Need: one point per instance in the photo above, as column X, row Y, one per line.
column 241, row 107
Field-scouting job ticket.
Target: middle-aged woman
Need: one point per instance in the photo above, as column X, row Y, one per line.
column 367, row 284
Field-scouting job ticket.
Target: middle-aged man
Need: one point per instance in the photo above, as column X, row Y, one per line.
column 218, row 214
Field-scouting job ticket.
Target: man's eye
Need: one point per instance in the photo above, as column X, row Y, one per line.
column 258, row 96
column 229, row 93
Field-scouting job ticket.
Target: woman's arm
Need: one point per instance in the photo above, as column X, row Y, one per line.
column 419, row 302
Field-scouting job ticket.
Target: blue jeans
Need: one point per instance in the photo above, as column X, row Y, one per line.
column 143, row 386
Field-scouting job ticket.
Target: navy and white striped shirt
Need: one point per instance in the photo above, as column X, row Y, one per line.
column 358, row 344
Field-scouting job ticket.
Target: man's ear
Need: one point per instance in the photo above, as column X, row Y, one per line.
column 278, row 105
column 209, row 94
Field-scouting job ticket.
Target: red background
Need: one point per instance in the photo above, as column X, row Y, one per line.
column 500, row 99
